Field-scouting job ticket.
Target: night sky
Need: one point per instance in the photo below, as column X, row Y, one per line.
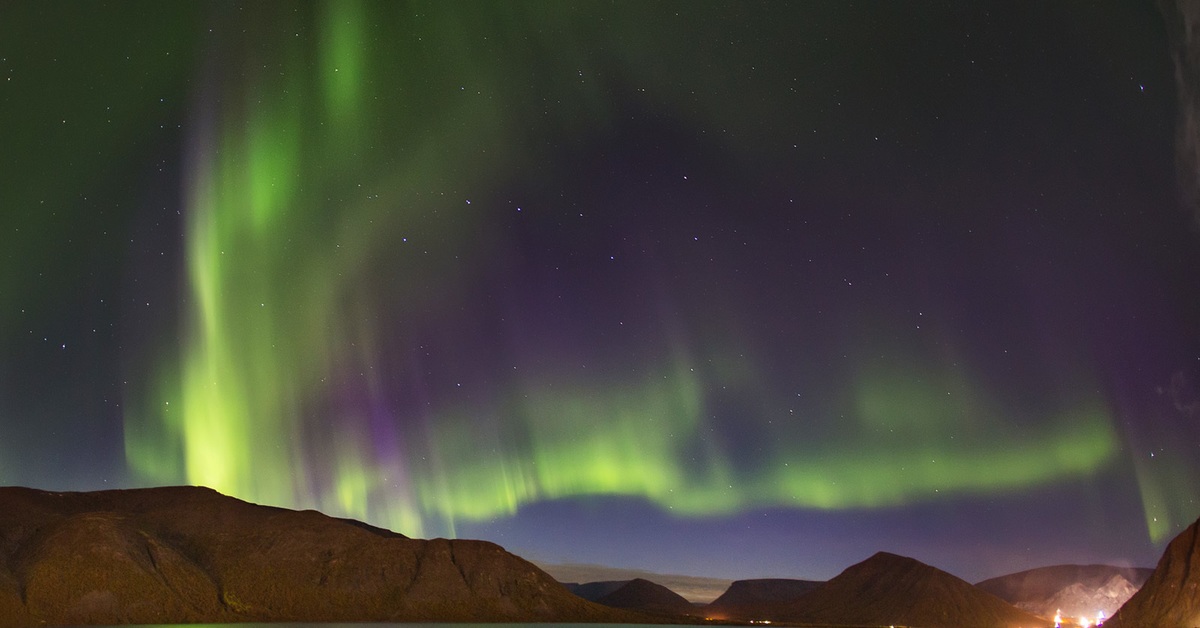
column 732, row 289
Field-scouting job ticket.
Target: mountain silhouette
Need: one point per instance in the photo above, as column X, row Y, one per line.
column 192, row 555
column 642, row 595
column 1076, row 590
column 745, row 599
column 595, row 590
column 887, row 589
column 1171, row 596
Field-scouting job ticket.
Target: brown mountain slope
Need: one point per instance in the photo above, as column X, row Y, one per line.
column 1077, row 590
column 744, row 599
column 642, row 595
column 192, row 555
column 887, row 589
column 1171, row 596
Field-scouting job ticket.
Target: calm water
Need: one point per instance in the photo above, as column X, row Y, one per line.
column 301, row 624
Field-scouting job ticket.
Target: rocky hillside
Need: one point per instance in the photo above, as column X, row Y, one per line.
column 192, row 555
column 1076, row 590
column 1171, row 596
column 887, row 589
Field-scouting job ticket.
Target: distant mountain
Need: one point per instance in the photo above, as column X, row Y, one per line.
column 744, row 599
column 1171, row 596
column 647, row 597
column 192, row 555
column 594, row 590
column 696, row 589
column 1076, row 590
column 887, row 589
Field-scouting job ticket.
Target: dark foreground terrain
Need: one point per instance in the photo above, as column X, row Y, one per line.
column 887, row 589
column 1074, row 590
column 1171, row 596
column 192, row 555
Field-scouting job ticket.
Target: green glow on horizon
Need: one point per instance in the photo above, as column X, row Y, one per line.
column 279, row 260
column 641, row 449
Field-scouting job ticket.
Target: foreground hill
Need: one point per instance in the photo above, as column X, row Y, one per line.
column 642, row 595
column 1171, row 596
column 745, row 599
column 887, row 589
column 192, row 555
column 1076, row 590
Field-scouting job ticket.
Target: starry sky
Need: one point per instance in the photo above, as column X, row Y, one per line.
column 728, row 289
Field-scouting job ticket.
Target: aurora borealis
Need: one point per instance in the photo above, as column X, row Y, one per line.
column 741, row 290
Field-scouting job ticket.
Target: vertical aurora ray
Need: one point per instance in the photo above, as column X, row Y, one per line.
column 342, row 71
column 329, row 242
column 1163, row 471
column 275, row 398
column 261, row 289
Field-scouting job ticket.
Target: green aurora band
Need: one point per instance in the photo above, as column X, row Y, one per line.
column 337, row 160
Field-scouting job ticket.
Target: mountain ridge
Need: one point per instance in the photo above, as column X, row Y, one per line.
column 643, row 595
column 744, row 598
column 1076, row 590
column 888, row 589
column 193, row 555
column 1170, row 598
